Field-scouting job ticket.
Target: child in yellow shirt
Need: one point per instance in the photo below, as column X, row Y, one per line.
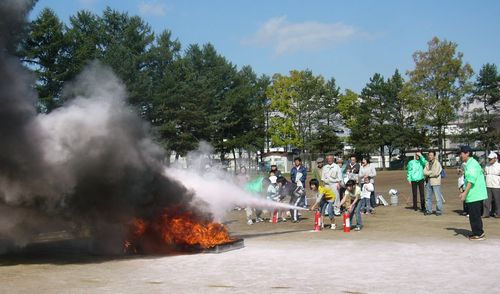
column 324, row 200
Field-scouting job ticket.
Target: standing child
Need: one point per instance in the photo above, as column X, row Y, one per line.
column 324, row 200
column 366, row 193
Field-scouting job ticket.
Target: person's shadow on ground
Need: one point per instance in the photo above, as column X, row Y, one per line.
column 462, row 232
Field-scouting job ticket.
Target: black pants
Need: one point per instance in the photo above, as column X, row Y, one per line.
column 475, row 211
column 420, row 185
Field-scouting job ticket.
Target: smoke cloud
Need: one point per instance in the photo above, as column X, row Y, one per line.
column 218, row 190
column 90, row 163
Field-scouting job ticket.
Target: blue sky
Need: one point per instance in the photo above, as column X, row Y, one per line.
column 347, row 40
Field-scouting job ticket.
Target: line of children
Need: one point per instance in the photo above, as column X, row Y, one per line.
column 355, row 200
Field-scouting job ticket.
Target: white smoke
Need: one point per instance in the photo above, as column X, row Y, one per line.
column 219, row 191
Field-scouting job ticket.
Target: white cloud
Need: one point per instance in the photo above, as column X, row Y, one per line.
column 152, row 8
column 286, row 37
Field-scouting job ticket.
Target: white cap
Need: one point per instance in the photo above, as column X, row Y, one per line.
column 273, row 179
column 492, row 155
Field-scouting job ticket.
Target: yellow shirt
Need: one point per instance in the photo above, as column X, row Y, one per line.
column 327, row 193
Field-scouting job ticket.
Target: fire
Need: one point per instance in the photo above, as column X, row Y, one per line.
column 172, row 230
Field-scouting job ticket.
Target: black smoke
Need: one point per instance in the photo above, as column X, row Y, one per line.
column 89, row 164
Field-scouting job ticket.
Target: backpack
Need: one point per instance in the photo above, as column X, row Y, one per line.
column 443, row 173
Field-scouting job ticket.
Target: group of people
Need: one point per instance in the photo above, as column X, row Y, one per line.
column 337, row 186
column 479, row 190
column 349, row 186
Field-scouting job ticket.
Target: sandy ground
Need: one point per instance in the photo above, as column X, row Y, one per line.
column 399, row 251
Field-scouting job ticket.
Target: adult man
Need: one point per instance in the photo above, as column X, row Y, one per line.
column 351, row 202
column 492, row 172
column 318, row 170
column 298, row 173
column 352, row 169
column 343, row 168
column 475, row 192
column 332, row 177
column 415, row 177
column 432, row 173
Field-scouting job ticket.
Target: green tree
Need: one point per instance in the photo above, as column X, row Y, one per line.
column 45, row 51
column 441, row 79
column 85, row 38
column 125, row 44
column 375, row 116
column 481, row 119
column 283, row 95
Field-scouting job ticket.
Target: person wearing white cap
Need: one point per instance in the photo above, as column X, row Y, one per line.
column 492, row 173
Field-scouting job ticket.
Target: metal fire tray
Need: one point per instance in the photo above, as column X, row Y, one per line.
column 229, row 246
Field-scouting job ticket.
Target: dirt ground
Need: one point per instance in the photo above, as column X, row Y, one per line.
column 398, row 251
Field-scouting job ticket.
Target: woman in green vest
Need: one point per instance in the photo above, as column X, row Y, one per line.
column 415, row 177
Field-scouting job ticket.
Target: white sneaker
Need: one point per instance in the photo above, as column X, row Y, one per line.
column 333, row 227
column 249, row 222
column 258, row 220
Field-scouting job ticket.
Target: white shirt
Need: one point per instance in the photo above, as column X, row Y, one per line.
column 331, row 174
column 492, row 172
column 367, row 190
column 369, row 171
column 297, row 179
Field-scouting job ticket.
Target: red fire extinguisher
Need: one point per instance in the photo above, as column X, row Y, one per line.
column 347, row 221
column 317, row 221
column 275, row 216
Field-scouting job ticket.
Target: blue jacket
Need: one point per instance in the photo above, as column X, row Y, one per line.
column 293, row 174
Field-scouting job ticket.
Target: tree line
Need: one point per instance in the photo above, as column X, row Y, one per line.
column 194, row 94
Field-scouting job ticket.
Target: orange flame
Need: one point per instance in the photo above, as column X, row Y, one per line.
column 178, row 230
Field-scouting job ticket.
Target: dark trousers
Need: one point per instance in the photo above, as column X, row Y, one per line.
column 492, row 204
column 475, row 211
column 420, row 185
